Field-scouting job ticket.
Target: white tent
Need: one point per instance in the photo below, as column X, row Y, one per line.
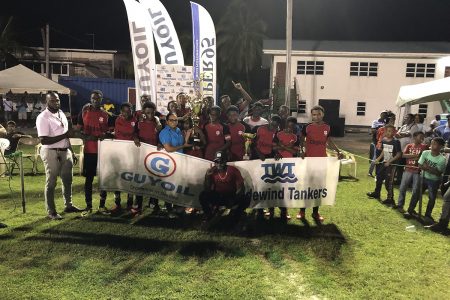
column 430, row 91
column 20, row 79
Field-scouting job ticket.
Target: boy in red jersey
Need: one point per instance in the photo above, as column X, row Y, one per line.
column 124, row 130
column 146, row 130
column 224, row 186
column 93, row 124
column 217, row 134
column 315, row 138
column 237, row 128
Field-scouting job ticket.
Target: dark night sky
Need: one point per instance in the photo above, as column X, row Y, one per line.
column 383, row 20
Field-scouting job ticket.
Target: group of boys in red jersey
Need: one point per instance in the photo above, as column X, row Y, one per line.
column 219, row 133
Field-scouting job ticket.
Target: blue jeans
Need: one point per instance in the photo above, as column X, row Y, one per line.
column 406, row 181
column 433, row 186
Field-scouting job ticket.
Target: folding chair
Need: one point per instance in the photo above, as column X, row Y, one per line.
column 31, row 156
column 5, row 164
column 76, row 142
column 348, row 160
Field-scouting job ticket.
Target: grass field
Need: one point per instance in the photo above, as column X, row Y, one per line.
column 361, row 252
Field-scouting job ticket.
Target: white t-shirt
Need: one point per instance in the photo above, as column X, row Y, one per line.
column 30, row 106
column 252, row 123
column 7, row 105
column 49, row 124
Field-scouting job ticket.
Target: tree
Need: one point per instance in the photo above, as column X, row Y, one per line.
column 9, row 47
column 240, row 34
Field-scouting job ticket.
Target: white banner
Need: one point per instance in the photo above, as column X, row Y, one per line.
column 143, row 50
column 164, row 33
column 204, row 45
column 172, row 80
column 172, row 177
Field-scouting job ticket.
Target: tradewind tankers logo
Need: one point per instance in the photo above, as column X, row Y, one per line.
column 279, row 172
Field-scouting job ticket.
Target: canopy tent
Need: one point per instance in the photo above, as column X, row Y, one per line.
column 20, row 79
column 436, row 90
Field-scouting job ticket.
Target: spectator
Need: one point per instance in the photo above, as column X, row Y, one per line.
column 391, row 153
column 255, row 119
column 22, row 112
column 419, row 120
column 57, row 155
column 411, row 153
column 436, row 122
column 404, row 135
column 442, row 225
column 8, row 107
column 444, row 130
column 283, row 112
column 13, row 136
column 217, row 134
column 373, row 153
column 432, row 163
column 30, row 104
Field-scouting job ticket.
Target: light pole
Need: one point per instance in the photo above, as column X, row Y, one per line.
column 93, row 40
column 287, row 91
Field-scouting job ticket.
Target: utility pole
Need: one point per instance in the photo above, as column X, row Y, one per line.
column 287, row 91
column 46, row 41
column 93, row 40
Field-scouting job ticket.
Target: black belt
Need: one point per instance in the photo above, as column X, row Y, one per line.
column 58, row 149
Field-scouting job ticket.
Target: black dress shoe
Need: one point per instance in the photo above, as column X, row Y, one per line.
column 72, row 209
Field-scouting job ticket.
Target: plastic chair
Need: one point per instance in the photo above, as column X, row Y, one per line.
column 348, row 160
column 33, row 156
column 4, row 163
column 80, row 153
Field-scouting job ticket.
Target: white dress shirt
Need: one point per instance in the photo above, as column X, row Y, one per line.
column 52, row 124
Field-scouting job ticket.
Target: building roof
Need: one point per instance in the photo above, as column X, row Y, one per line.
column 359, row 46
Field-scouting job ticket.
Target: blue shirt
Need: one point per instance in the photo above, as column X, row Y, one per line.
column 444, row 131
column 173, row 137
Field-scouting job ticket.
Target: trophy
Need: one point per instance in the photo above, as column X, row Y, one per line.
column 196, row 104
column 248, row 142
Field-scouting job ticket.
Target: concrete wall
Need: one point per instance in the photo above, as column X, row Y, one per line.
column 379, row 92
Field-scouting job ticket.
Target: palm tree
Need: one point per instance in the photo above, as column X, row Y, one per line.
column 240, row 34
column 9, row 47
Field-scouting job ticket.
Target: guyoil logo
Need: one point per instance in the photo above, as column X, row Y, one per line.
column 279, row 172
column 160, row 164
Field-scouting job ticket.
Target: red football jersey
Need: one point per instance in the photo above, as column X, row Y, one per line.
column 237, row 148
column 147, row 132
column 216, row 135
column 228, row 181
column 288, row 140
column 93, row 123
column 124, row 129
column 316, row 139
column 264, row 139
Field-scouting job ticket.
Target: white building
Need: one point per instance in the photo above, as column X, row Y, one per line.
column 364, row 76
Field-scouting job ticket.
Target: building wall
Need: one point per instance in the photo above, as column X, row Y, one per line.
column 378, row 92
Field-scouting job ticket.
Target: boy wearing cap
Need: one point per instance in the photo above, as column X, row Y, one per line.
column 224, row 186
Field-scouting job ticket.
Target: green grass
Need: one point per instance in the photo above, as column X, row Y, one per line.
column 362, row 251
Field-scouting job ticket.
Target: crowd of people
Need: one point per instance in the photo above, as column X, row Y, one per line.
column 412, row 155
column 22, row 109
column 215, row 135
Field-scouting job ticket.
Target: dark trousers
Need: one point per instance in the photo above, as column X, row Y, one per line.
column 90, row 171
column 387, row 175
column 432, row 186
column 211, row 200
column 117, row 199
column 140, row 200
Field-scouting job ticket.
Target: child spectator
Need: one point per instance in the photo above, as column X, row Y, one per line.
column 391, row 153
column 411, row 153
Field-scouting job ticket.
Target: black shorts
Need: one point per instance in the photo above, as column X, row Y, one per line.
column 90, row 164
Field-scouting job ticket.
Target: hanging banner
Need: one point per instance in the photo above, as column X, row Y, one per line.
column 164, row 33
column 143, row 50
column 204, row 45
column 171, row 177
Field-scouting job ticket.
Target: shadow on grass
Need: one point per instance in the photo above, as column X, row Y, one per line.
column 200, row 249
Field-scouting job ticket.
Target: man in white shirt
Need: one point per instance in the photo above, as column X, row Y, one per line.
column 255, row 119
column 56, row 153
column 8, row 107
